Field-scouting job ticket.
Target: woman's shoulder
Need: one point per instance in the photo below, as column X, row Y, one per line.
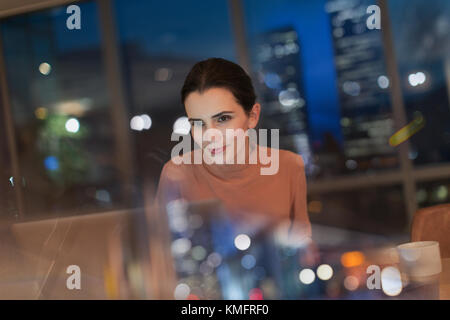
column 291, row 158
column 178, row 166
column 281, row 161
column 287, row 158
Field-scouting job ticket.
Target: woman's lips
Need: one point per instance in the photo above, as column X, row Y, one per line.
column 215, row 151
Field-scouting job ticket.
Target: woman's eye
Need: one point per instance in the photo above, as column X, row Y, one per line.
column 223, row 118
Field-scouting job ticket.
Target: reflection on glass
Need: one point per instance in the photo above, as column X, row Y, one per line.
column 61, row 113
column 433, row 193
column 422, row 42
column 159, row 42
column 321, row 79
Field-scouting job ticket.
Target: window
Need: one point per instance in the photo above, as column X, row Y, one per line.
column 159, row 43
column 323, row 78
column 62, row 114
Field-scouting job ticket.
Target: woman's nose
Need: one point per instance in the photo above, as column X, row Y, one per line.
column 213, row 134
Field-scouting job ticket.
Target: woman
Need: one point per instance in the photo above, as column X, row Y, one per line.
column 218, row 96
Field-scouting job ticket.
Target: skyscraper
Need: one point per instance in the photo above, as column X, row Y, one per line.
column 366, row 115
column 280, row 88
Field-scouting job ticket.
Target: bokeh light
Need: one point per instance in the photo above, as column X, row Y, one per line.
column 51, row 163
column 182, row 126
column 383, row 82
column 289, row 97
column 307, row 276
column 441, row 193
column 351, row 283
column 391, row 281
column 40, row 113
column 351, row 88
column 352, row 259
column 324, row 272
column 182, row 291
column 72, row 125
column 180, row 246
column 407, row 131
column 137, row 123
column 255, row 294
column 242, row 242
column 205, row 268
column 416, row 79
column 214, row 259
column 198, row 253
column 248, row 261
column 147, row 121
column 45, row 68
column 163, row 74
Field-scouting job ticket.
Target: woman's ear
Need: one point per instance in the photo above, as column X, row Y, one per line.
column 253, row 116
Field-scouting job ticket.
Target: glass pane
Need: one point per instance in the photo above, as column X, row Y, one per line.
column 160, row 42
column 61, row 113
column 319, row 70
column 321, row 79
column 422, row 44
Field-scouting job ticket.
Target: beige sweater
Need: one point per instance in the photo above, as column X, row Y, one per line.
column 243, row 191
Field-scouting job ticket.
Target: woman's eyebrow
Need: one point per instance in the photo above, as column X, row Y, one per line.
column 221, row 114
column 193, row 120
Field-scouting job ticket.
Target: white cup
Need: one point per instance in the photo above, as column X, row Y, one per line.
column 420, row 259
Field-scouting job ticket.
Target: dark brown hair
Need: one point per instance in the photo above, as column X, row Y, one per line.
column 220, row 73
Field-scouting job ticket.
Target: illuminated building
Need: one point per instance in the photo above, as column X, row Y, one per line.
column 280, row 89
column 366, row 114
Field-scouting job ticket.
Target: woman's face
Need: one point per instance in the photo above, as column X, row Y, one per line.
column 216, row 108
